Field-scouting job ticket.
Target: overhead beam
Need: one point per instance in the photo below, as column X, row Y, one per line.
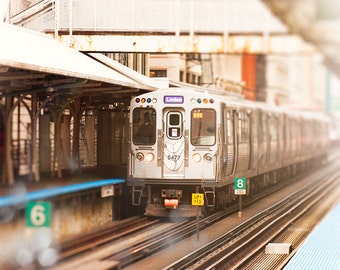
column 21, row 76
column 31, row 12
column 198, row 43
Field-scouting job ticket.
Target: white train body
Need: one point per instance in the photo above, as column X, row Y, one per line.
column 195, row 141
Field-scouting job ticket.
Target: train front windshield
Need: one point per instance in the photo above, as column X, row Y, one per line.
column 203, row 127
column 144, row 126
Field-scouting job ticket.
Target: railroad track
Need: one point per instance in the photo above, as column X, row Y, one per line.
column 72, row 250
column 236, row 248
column 114, row 232
column 139, row 248
column 124, row 248
column 177, row 233
column 101, row 247
column 294, row 234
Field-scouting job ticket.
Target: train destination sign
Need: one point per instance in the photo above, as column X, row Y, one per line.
column 173, row 99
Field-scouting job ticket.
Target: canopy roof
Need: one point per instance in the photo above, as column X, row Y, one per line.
column 31, row 61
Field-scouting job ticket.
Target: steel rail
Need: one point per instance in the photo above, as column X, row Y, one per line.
column 303, row 204
column 181, row 231
column 158, row 241
column 233, row 238
column 84, row 242
column 177, row 233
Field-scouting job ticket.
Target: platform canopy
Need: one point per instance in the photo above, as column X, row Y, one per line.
column 35, row 62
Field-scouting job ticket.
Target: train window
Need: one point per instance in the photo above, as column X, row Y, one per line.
column 228, row 120
column 174, row 125
column 174, row 119
column 263, row 135
column 230, row 127
column 203, row 127
column 144, row 126
column 273, row 123
column 243, row 127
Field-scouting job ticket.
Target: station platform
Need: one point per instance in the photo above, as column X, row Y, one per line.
column 48, row 193
column 321, row 249
column 68, row 178
column 72, row 204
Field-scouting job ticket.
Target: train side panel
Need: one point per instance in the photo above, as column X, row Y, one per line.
column 184, row 141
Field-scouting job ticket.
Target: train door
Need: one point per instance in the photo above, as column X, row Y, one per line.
column 263, row 147
column 273, row 138
column 2, row 147
column 229, row 159
column 242, row 131
column 174, row 143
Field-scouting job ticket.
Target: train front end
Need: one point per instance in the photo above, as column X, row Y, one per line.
column 173, row 151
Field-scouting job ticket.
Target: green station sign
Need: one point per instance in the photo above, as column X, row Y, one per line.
column 38, row 214
column 240, row 185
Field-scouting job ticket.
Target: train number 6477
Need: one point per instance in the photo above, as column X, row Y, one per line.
column 174, row 157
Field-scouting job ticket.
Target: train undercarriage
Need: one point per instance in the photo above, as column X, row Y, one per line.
column 176, row 201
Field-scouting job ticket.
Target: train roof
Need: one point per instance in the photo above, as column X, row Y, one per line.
column 223, row 96
column 238, row 102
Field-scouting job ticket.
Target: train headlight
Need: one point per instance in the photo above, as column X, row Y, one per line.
column 149, row 157
column 196, row 157
column 208, row 158
column 139, row 156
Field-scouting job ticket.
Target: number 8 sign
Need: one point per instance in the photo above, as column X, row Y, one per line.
column 240, row 185
column 38, row 214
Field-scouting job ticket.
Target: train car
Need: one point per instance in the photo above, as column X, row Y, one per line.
column 2, row 143
column 184, row 141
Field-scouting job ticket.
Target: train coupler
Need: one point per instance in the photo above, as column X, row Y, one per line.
column 171, row 197
column 171, row 203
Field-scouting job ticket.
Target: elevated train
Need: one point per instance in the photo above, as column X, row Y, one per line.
column 184, row 141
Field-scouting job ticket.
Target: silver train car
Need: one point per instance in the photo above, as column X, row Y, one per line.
column 184, row 141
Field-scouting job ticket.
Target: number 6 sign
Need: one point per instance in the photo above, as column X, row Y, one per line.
column 38, row 214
